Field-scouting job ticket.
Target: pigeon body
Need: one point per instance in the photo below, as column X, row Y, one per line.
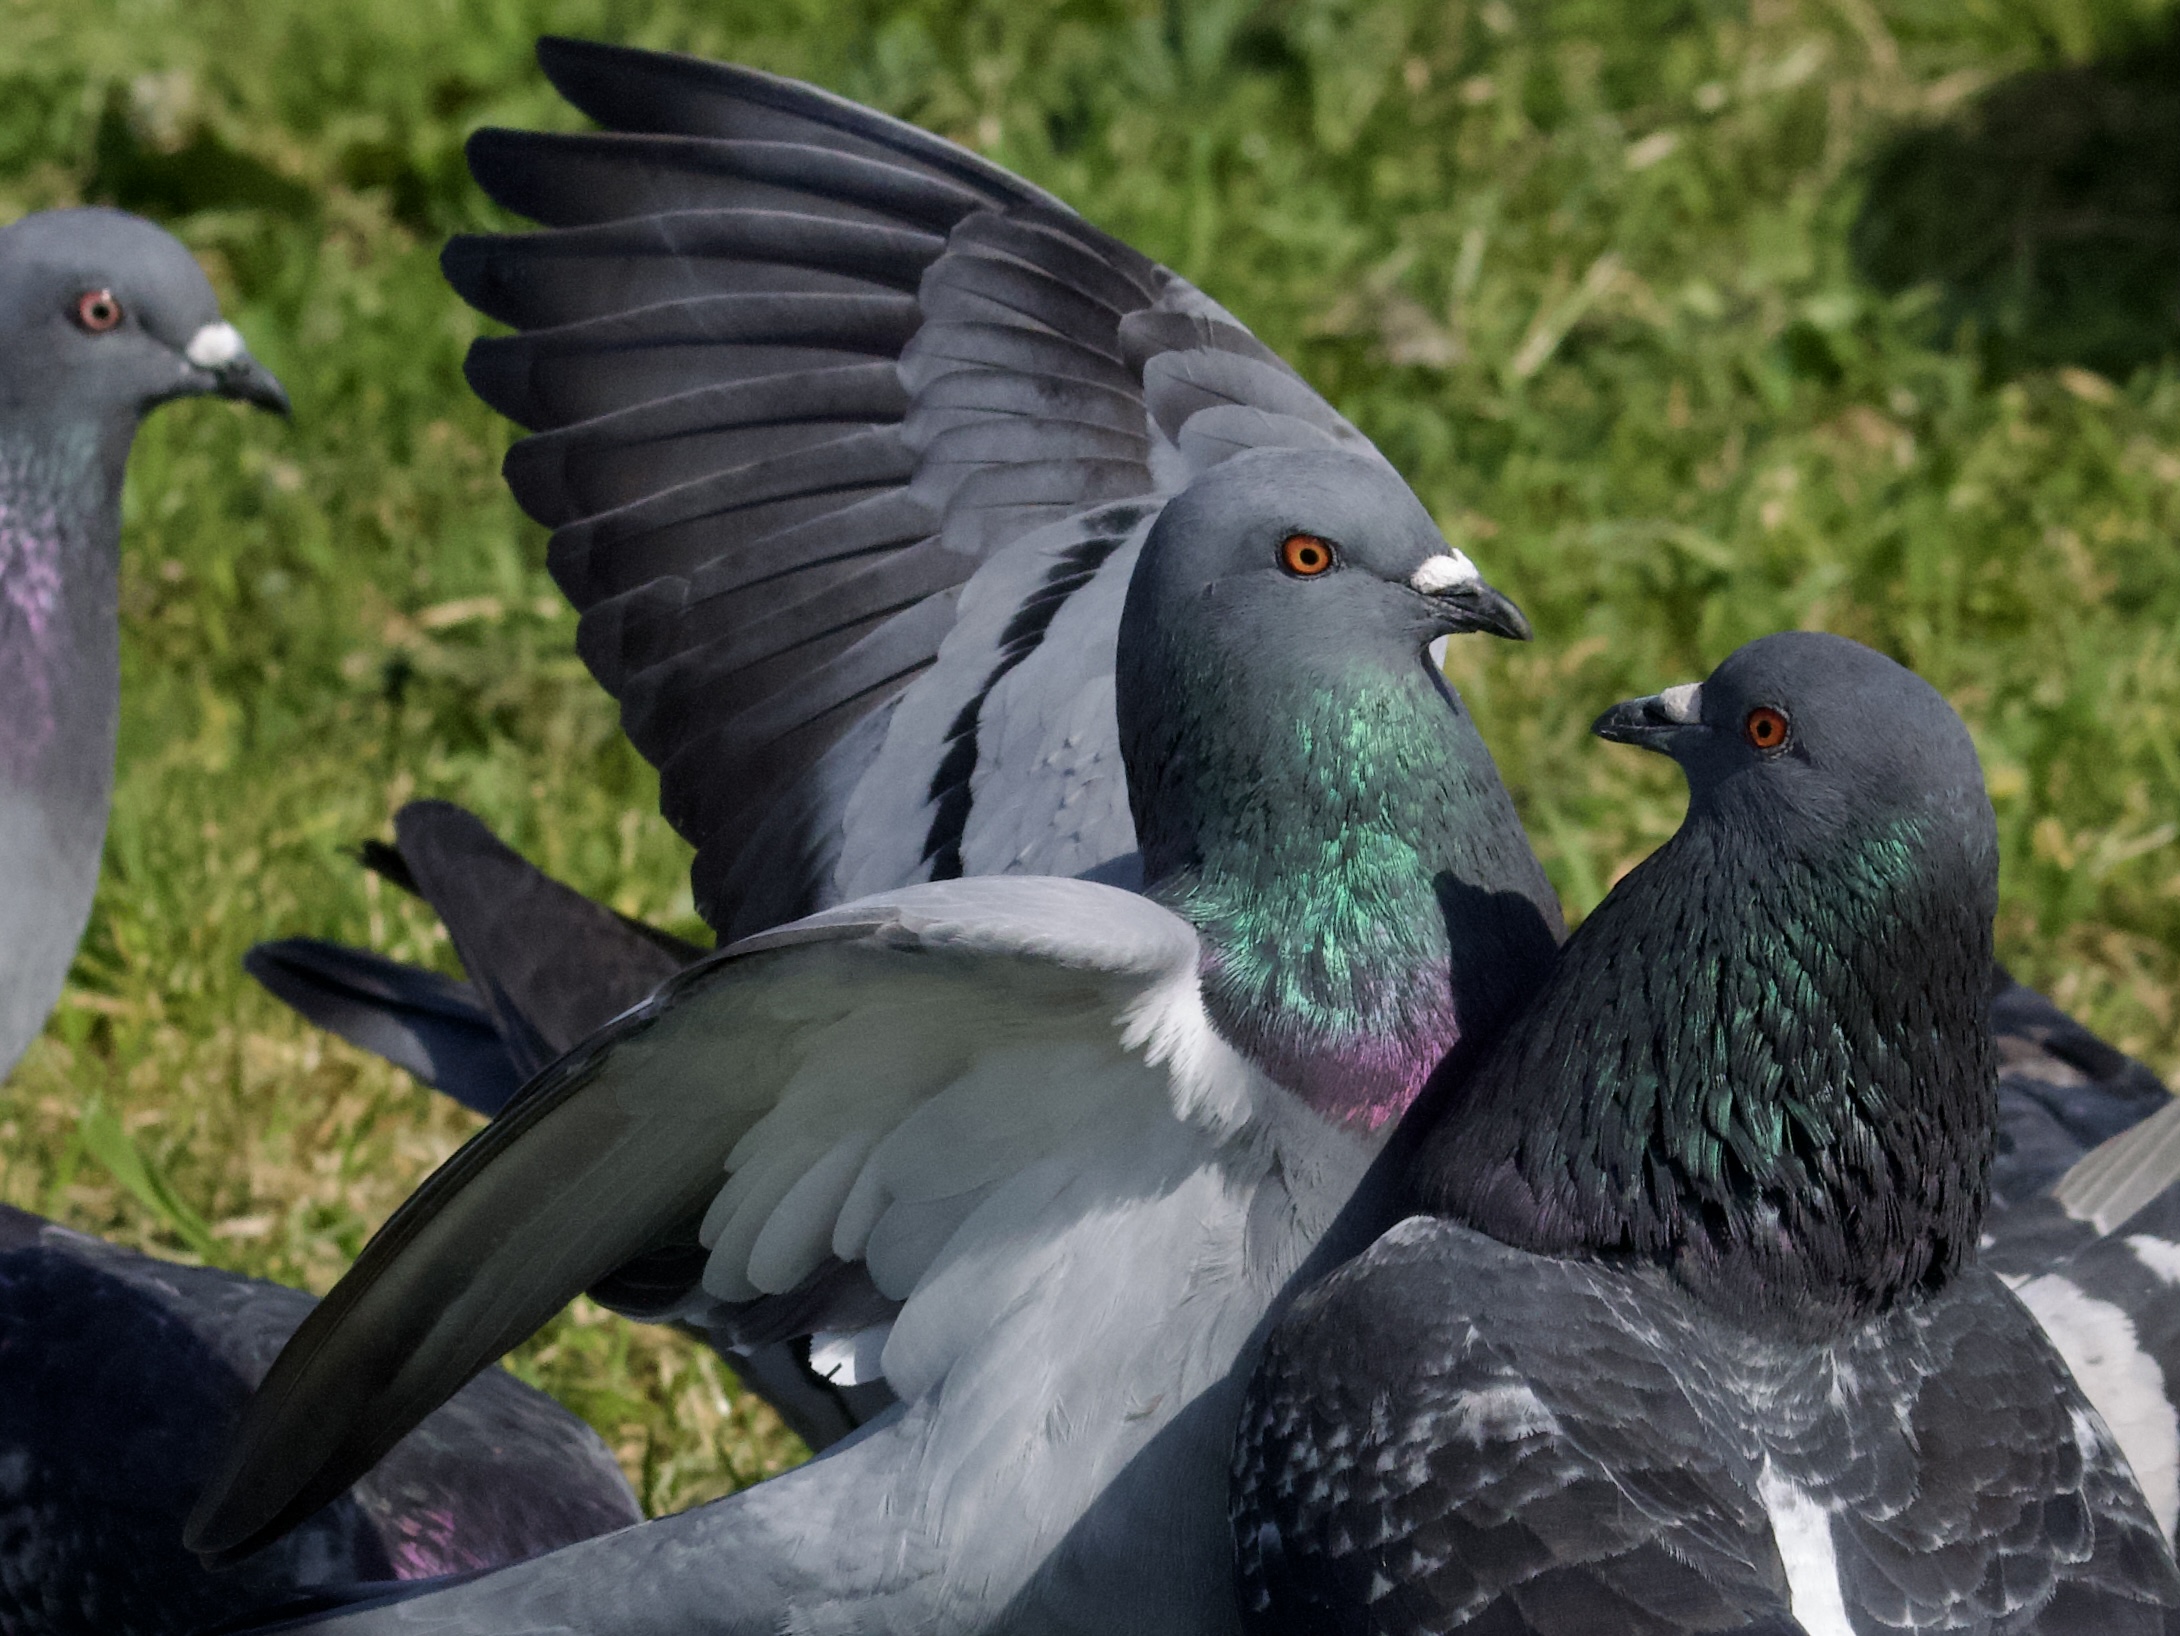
column 1038, row 1153
column 102, row 318
column 1687, row 1334
column 111, row 1420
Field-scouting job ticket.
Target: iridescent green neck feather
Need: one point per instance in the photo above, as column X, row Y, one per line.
column 1362, row 885
column 1763, row 1061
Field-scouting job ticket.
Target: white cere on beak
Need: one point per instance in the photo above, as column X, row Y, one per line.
column 214, row 345
column 1683, row 703
column 1446, row 572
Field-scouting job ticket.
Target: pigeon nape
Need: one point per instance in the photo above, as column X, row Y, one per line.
column 102, row 317
column 118, row 1375
column 1686, row 1333
column 1038, row 1153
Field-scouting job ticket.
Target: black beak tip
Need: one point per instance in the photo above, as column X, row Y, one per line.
column 1638, row 722
column 1483, row 608
column 248, row 381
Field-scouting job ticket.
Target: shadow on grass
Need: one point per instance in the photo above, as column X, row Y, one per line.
column 2046, row 213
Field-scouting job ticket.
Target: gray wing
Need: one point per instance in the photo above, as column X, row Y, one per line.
column 1971, row 1486
column 847, row 438
column 2061, row 1091
column 2097, row 1260
column 945, row 1088
column 1397, row 1471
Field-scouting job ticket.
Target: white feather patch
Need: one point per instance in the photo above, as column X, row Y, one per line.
column 2122, row 1382
column 1448, row 571
column 1683, row 703
column 2160, row 1255
column 1802, row 1529
column 849, row 1359
column 213, row 345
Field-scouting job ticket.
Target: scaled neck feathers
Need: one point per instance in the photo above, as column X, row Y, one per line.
column 1364, row 891
column 1769, row 1073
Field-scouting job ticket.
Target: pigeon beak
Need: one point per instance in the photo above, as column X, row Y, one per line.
column 249, row 381
column 1654, row 723
column 1464, row 601
column 217, row 349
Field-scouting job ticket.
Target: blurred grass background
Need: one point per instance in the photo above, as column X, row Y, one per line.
column 1691, row 319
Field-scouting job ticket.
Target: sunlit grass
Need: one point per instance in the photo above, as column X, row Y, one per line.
column 1581, row 267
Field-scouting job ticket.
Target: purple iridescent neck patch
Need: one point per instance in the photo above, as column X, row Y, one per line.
column 30, row 595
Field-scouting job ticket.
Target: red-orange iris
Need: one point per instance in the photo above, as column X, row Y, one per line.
column 1305, row 555
column 1765, row 727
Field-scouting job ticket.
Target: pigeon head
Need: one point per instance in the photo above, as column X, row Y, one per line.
column 1765, row 1060
column 104, row 316
column 1306, row 788
column 1815, row 733
column 1325, row 551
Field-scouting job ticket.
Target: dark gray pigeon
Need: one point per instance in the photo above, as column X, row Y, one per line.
column 103, row 317
column 110, row 1421
column 1038, row 1153
column 1687, row 1334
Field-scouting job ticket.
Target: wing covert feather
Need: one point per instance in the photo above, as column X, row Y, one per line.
column 863, row 1081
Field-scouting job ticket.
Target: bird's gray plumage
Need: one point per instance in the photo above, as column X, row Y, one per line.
column 120, row 1374
column 1688, row 1335
column 1015, row 1145
column 848, row 439
column 71, row 397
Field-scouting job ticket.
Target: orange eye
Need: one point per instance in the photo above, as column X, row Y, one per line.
column 98, row 310
column 1765, row 727
column 1305, row 555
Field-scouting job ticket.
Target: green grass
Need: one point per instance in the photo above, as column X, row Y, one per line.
column 1582, row 268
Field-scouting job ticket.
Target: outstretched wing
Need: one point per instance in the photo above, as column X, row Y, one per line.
column 848, row 439
column 920, row 1086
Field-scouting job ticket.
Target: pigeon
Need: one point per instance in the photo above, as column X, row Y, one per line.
column 110, row 1421
column 102, row 318
column 850, row 441
column 1039, row 1152
column 118, row 1374
column 1686, row 1331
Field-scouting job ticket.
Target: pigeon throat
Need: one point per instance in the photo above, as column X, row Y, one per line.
column 1364, row 893
column 1774, row 1078
column 49, row 569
